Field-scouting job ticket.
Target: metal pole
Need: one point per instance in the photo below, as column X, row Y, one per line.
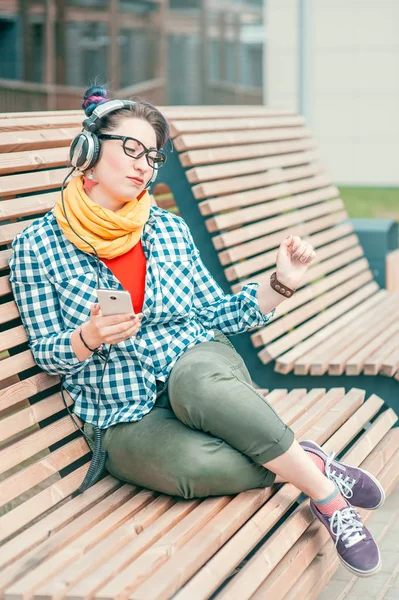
column 50, row 54
column 305, row 59
column 113, row 46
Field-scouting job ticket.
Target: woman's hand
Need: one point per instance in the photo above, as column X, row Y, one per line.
column 109, row 330
column 293, row 259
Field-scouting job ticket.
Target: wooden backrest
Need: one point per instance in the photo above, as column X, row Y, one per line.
column 256, row 176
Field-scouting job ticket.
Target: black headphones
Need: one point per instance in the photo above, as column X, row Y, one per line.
column 85, row 148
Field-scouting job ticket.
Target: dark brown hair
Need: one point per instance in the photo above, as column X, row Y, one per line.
column 141, row 110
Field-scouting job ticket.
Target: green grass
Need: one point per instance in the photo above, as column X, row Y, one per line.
column 371, row 202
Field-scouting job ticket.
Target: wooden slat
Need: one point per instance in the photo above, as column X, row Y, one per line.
column 5, row 287
column 8, row 232
column 390, row 364
column 12, row 337
column 31, row 116
column 26, row 389
column 31, row 182
column 275, row 396
column 282, row 403
column 238, row 153
column 302, row 353
column 30, row 476
column 5, row 256
column 255, row 165
column 220, row 112
column 16, row 364
column 26, row 206
column 45, row 122
column 243, row 124
column 392, row 271
column 36, row 139
column 33, row 160
column 315, row 324
column 303, row 229
column 306, row 183
column 374, row 362
column 8, row 312
column 210, row 140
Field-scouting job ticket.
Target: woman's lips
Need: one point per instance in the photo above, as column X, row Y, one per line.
column 136, row 180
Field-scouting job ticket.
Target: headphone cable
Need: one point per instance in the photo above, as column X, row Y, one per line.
column 99, row 457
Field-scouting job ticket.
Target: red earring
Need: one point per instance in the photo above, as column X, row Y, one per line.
column 88, row 182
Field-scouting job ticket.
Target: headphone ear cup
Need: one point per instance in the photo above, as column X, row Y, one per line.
column 154, row 175
column 95, row 152
column 84, row 151
column 78, row 150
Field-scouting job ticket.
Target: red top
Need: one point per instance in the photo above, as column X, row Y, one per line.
column 130, row 269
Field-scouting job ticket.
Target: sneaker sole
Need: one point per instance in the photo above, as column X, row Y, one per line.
column 377, row 483
column 347, row 565
column 361, row 573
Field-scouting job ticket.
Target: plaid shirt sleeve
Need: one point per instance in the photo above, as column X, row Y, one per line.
column 40, row 312
column 230, row 313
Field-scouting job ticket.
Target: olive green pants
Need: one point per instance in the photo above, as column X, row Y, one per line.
column 208, row 434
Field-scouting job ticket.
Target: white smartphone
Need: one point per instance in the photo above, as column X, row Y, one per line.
column 114, row 302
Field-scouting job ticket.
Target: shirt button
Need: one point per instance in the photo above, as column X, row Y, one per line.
column 137, row 337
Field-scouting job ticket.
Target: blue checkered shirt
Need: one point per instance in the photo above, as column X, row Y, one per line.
column 54, row 285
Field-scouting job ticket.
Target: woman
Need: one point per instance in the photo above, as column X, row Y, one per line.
column 178, row 412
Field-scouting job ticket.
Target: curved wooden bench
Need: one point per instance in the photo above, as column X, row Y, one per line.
column 117, row 540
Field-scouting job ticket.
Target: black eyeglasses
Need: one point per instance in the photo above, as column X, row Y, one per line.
column 135, row 149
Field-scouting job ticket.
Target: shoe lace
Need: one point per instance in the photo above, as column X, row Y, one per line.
column 345, row 524
column 344, row 484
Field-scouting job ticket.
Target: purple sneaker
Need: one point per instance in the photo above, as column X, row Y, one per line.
column 359, row 487
column 355, row 545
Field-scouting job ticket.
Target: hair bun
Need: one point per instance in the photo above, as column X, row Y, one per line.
column 93, row 97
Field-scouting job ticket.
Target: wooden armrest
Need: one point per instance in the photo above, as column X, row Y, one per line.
column 392, row 271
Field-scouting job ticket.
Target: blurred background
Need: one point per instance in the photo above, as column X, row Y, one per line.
column 336, row 62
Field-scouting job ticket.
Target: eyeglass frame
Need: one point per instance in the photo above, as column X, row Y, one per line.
column 146, row 151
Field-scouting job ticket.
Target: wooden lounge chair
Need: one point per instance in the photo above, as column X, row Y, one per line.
column 119, row 541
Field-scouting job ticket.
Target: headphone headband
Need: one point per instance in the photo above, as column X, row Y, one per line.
column 93, row 122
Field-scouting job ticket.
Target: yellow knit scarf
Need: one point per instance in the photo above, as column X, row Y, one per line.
column 111, row 233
